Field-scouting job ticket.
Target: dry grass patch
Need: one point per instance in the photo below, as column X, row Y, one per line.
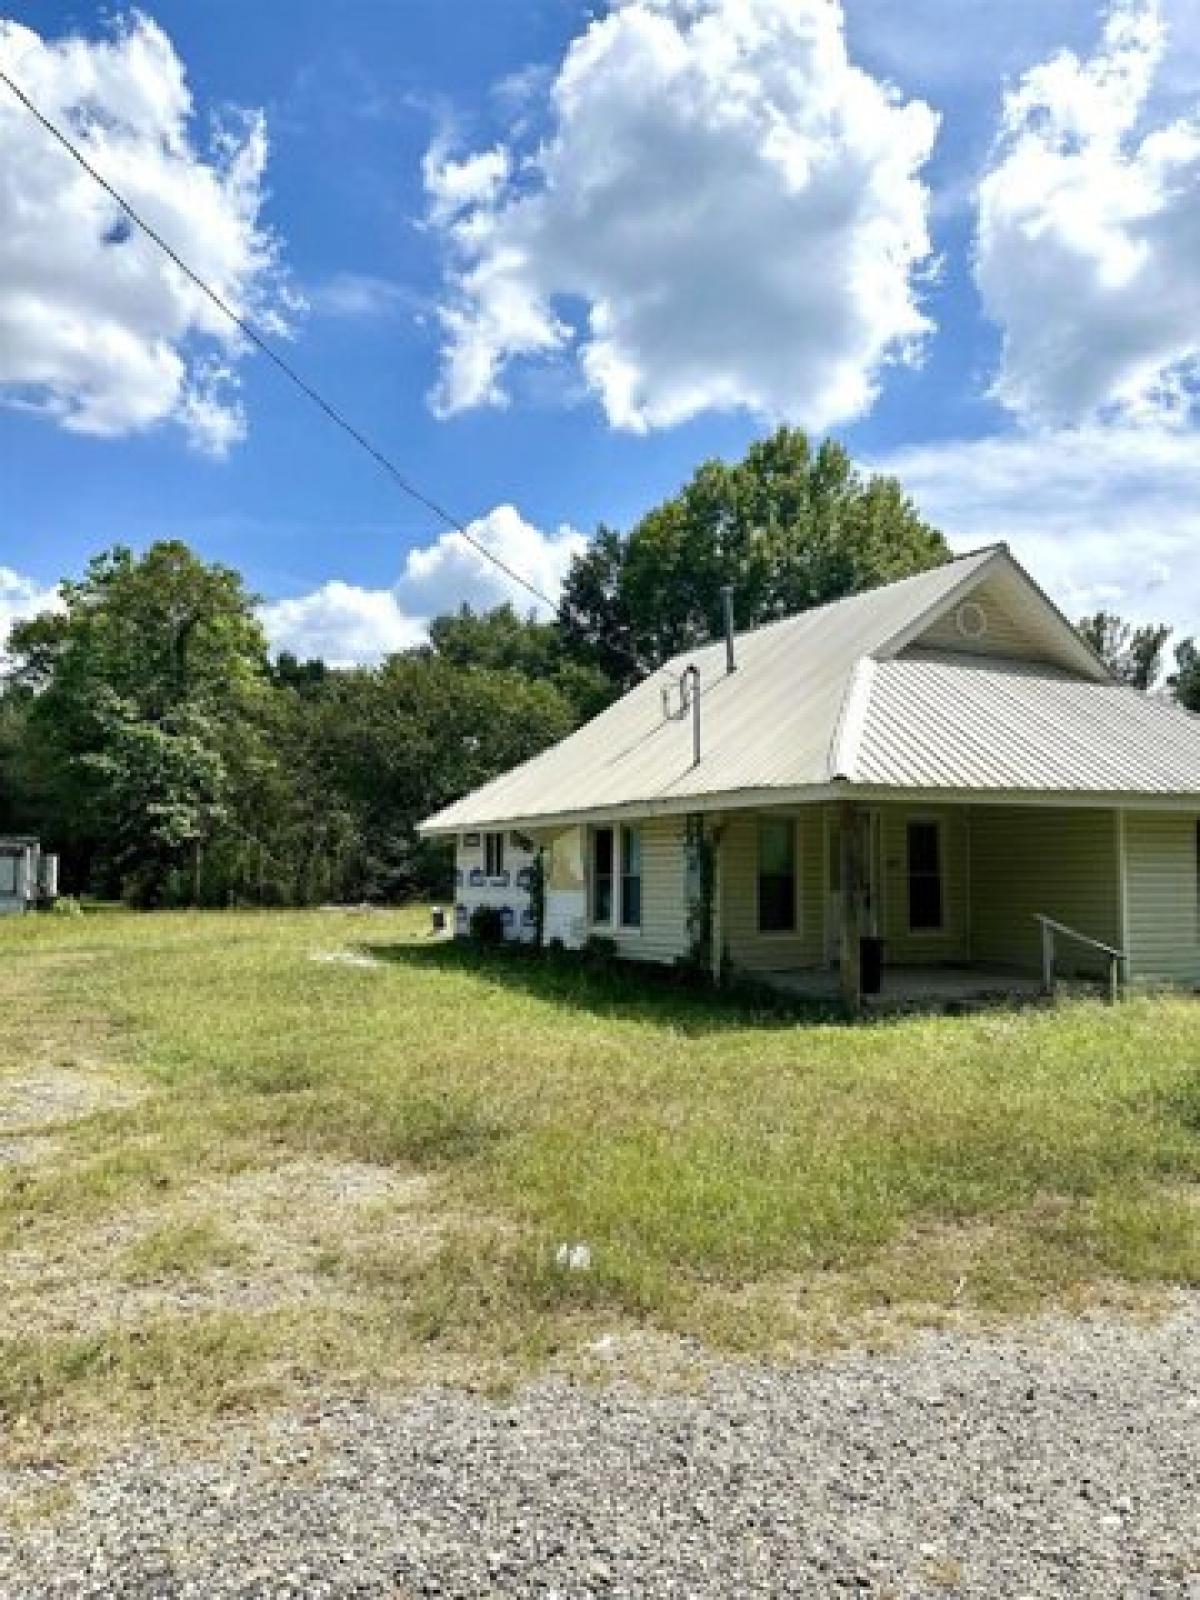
column 251, row 1174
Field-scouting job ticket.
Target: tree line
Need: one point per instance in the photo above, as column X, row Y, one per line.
column 147, row 733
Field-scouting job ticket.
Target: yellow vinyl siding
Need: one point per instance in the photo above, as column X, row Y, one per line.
column 1062, row 863
column 663, row 935
column 951, row 942
column 764, row 952
column 1163, row 918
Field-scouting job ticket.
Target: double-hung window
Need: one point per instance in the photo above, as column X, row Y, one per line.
column 493, row 854
column 602, row 875
column 776, row 875
column 631, row 877
column 926, row 897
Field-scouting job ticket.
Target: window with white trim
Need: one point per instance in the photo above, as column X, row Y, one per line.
column 926, row 890
column 493, row 854
column 631, row 877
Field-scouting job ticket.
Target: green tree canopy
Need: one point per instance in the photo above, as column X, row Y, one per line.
column 145, row 694
column 788, row 526
column 1184, row 682
column 1134, row 654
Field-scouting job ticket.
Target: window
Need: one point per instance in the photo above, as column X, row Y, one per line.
column 925, row 901
column 631, row 877
column 493, row 854
column 8, row 873
column 602, row 875
column 776, row 875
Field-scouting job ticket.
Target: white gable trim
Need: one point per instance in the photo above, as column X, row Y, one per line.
column 1074, row 647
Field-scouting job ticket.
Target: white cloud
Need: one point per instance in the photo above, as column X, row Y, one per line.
column 363, row 296
column 1088, row 249
column 22, row 597
column 97, row 329
column 1102, row 516
column 345, row 624
column 725, row 214
column 442, row 576
column 341, row 624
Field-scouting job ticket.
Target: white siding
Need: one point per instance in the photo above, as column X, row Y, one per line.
column 1062, row 863
column 663, row 935
column 746, row 947
column 1163, row 916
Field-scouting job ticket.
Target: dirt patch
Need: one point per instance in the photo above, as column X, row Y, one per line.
column 258, row 1241
column 51, row 1098
column 28, row 1150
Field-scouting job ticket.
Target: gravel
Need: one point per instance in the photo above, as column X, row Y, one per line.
column 1060, row 1459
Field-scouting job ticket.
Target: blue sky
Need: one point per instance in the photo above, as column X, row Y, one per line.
column 832, row 221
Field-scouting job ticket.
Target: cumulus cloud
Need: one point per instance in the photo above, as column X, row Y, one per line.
column 724, row 213
column 344, row 624
column 341, row 624
column 1088, row 248
column 1102, row 516
column 21, row 597
column 448, row 573
column 98, row 331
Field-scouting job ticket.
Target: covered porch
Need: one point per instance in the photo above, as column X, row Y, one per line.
column 895, row 904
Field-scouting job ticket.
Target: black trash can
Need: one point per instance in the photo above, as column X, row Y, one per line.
column 871, row 960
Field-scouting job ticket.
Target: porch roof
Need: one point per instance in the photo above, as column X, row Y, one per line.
column 937, row 722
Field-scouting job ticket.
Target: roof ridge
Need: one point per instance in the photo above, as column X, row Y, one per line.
column 851, row 721
column 829, row 605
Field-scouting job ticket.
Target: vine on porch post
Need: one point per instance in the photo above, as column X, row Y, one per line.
column 700, row 850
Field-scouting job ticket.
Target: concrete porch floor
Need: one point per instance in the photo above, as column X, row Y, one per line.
column 918, row 988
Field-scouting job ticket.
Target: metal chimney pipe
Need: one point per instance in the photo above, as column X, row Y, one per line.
column 727, row 606
column 691, row 676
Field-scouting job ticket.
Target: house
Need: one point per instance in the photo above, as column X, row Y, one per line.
column 27, row 876
column 935, row 764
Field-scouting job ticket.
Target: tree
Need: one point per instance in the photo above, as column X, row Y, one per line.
column 146, row 691
column 1134, row 655
column 500, row 640
column 400, row 741
column 1184, row 682
column 790, row 528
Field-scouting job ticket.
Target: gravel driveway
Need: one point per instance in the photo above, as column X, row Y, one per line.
column 1061, row 1460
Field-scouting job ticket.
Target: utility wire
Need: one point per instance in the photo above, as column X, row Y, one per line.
column 335, row 416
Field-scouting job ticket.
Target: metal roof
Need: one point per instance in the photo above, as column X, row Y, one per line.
column 943, row 721
column 826, row 697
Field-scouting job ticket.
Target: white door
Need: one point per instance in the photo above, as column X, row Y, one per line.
column 869, row 825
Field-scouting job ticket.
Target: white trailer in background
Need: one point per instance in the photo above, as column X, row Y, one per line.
column 28, row 878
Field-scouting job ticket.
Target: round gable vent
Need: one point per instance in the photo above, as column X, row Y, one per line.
column 971, row 620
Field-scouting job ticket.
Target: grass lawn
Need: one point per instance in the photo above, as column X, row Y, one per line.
column 245, row 1156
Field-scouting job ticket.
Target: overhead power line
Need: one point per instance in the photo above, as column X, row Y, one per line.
column 334, row 415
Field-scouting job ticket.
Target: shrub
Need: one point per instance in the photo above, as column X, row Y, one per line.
column 600, row 953
column 487, row 925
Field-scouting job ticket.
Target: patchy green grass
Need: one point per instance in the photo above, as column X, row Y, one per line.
column 228, row 1169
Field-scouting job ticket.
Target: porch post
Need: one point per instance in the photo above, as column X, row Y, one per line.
column 853, row 876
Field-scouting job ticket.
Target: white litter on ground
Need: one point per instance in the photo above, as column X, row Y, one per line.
column 346, row 958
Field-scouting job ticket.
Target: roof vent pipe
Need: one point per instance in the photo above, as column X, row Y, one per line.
column 727, row 607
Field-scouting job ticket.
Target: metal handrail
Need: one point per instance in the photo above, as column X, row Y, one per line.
column 1117, row 959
